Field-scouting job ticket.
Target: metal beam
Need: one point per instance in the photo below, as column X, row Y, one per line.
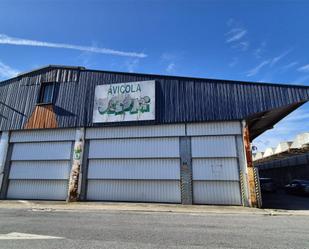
column 84, row 173
column 185, row 170
column 6, row 172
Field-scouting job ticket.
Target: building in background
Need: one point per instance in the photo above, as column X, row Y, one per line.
column 69, row 133
column 289, row 160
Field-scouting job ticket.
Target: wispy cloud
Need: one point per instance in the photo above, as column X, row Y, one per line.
column 290, row 65
column 270, row 63
column 170, row 67
column 4, row 39
column 304, row 69
column 260, row 50
column 257, row 69
column 235, row 34
column 243, row 45
column 279, row 57
column 172, row 61
column 6, row 71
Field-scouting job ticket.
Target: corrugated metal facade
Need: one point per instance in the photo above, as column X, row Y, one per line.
column 134, row 148
column 156, row 169
column 217, row 146
column 40, row 164
column 42, row 135
column 216, row 192
column 171, row 130
column 178, row 99
column 215, row 169
column 214, row 128
column 40, row 170
column 136, row 161
column 126, row 190
column 42, row 151
column 38, row 189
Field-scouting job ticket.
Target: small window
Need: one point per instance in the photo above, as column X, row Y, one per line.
column 46, row 93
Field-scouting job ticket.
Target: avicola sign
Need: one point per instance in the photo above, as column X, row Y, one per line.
column 130, row 101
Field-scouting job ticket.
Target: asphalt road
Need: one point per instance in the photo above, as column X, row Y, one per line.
column 109, row 229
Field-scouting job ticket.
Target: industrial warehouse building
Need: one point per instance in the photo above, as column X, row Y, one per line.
column 69, row 133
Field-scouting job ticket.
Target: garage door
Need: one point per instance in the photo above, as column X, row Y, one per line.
column 215, row 164
column 40, row 165
column 215, row 170
column 134, row 169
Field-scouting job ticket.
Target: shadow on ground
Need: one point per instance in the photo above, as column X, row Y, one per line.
column 281, row 200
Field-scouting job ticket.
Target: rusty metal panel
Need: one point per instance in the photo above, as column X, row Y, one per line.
column 134, row 190
column 135, row 148
column 40, row 170
column 215, row 169
column 43, row 135
column 216, row 192
column 42, row 151
column 214, row 128
column 163, row 169
column 38, row 189
column 214, row 146
column 136, row 131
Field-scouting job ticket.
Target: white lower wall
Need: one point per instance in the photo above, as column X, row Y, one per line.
column 217, row 192
column 137, row 163
column 134, row 190
column 152, row 169
column 38, row 189
column 40, row 164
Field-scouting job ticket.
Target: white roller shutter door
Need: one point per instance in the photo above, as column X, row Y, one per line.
column 40, row 165
column 134, row 169
column 215, row 170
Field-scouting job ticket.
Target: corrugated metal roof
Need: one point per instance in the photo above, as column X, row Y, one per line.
column 179, row 99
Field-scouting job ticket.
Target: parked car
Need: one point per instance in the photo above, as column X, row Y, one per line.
column 298, row 187
column 267, row 185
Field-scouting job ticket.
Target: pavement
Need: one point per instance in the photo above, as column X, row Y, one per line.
column 144, row 207
column 51, row 225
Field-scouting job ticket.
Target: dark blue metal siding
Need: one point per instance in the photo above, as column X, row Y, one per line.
column 188, row 100
column 178, row 99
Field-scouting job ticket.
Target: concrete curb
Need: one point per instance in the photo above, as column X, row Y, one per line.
column 57, row 206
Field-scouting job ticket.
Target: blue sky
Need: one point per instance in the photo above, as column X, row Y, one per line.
column 241, row 40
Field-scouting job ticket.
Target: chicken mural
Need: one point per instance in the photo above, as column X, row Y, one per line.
column 124, row 102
